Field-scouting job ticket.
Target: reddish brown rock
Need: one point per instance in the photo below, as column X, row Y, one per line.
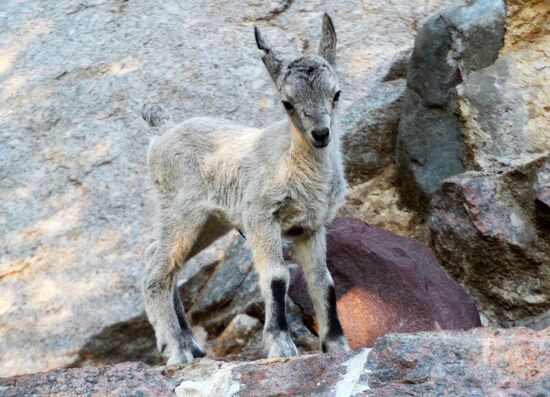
column 386, row 283
column 478, row 363
column 128, row 379
column 490, row 230
column 313, row 375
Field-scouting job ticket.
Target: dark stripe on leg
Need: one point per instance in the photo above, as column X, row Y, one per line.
column 278, row 320
column 334, row 327
column 180, row 312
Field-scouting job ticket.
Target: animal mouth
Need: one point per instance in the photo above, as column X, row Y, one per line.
column 321, row 144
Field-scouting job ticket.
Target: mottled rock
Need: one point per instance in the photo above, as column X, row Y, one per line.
column 478, row 363
column 526, row 24
column 490, row 232
column 370, row 128
column 386, row 283
column 231, row 289
column 504, row 107
column 378, row 203
column 128, row 379
column 240, row 332
column 398, row 67
column 450, row 45
column 313, row 375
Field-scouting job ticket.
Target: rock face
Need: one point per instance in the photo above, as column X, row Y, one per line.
column 491, row 231
column 315, row 375
column 481, row 362
column 386, row 283
column 504, row 107
column 76, row 209
column 128, row 379
column 378, row 202
column 450, row 45
column 370, row 128
column 232, row 288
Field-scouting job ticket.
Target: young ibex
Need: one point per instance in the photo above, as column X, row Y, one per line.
column 285, row 181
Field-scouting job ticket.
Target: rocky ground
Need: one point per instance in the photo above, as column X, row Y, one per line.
column 446, row 140
column 486, row 362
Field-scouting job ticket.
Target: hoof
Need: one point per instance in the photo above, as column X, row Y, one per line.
column 339, row 345
column 280, row 346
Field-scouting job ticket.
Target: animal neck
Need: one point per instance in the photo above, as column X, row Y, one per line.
column 304, row 157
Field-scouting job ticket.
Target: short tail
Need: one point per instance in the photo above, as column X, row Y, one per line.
column 155, row 115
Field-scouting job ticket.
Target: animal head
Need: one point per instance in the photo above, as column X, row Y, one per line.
column 308, row 86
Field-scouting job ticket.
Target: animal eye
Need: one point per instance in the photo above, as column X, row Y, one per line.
column 336, row 96
column 288, row 106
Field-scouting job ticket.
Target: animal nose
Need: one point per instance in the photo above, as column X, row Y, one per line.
column 321, row 135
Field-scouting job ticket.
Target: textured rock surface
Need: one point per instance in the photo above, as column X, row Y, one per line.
column 128, row 379
column 476, row 363
column 314, row 375
column 378, row 202
column 242, row 331
column 75, row 214
column 370, row 130
column 479, row 363
column 504, row 107
column 490, row 230
column 449, row 46
column 386, row 283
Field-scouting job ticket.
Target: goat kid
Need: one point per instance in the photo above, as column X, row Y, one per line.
column 285, row 181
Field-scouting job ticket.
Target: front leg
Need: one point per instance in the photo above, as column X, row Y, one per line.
column 310, row 253
column 266, row 244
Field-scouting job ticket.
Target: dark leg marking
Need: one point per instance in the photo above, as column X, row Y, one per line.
column 180, row 312
column 184, row 325
column 278, row 320
column 197, row 353
column 334, row 327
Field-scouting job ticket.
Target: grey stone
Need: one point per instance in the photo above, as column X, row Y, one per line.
column 399, row 66
column 231, row 289
column 370, row 127
column 450, row 45
column 241, row 332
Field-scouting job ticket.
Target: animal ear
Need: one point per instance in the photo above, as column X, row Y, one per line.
column 327, row 47
column 270, row 59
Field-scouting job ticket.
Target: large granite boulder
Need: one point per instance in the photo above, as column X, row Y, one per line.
column 450, row 45
column 76, row 209
column 490, row 231
column 386, row 283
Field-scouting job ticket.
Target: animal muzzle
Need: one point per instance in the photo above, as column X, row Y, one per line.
column 321, row 137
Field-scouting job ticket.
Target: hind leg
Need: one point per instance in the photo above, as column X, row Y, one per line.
column 212, row 229
column 178, row 242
